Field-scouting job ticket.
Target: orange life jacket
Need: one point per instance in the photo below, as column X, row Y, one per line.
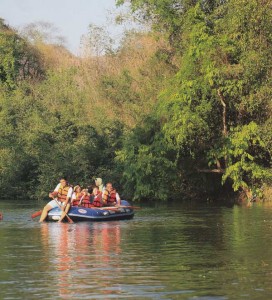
column 63, row 192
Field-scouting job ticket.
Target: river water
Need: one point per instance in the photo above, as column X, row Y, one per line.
column 180, row 252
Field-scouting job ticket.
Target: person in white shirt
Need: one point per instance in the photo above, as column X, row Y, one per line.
column 61, row 196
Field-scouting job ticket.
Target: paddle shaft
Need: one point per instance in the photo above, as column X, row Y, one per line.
column 69, row 219
column 80, row 201
column 36, row 214
column 129, row 206
column 117, row 207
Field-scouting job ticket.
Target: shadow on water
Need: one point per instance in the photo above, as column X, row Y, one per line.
column 184, row 251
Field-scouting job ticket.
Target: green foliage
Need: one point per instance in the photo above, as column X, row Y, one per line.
column 148, row 171
column 119, row 89
column 169, row 16
column 153, row 115
column 39, row 144
column 244, row 151
column 18, row 60
column 223, row 83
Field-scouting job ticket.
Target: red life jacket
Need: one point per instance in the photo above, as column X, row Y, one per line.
column 77, row 199
column 85, row 200
column 112, row 197
column 109, row 198
column 97, row 199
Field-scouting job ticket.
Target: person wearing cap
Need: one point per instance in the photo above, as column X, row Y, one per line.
column 61, row 196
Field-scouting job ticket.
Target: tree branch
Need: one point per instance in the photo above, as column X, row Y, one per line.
column 220, row 171
column 225, row 131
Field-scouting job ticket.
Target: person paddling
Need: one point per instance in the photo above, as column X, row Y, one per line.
column 61, row 196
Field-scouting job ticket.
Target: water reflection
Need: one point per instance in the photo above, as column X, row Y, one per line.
column 58, row 242
column 85, row 255
column 106, row 240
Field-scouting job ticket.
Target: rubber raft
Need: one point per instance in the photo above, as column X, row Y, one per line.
column 79, row 213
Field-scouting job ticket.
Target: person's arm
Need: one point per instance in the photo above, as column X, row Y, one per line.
column 99, row 197
column 105, row 197
column 84, row 193
column 69, row 196
column 73, row 197
column 118, row 199
column 55, row 192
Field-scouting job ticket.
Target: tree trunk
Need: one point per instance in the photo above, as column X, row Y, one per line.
column 224, row 121
column 225, row 132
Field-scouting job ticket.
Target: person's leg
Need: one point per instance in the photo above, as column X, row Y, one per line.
column 67, row 208
column 50, row 205
column 45, row 211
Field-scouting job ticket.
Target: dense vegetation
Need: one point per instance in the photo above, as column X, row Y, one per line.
column 181, row 111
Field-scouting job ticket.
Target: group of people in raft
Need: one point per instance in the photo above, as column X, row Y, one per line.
column 65, row 196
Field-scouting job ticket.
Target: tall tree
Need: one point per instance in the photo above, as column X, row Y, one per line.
column 215, row 107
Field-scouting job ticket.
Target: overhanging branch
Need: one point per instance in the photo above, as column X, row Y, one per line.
column 219, row 171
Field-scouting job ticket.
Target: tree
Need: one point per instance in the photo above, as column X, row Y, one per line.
column 220, row 92
column 18, row 60
column 97, row 42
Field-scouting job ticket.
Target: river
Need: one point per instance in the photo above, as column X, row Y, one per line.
column 187, row 251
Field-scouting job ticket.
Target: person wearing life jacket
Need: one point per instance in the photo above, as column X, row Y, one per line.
column 61, row 194
column 96, row 197
column 110, row 197
column 80, row 197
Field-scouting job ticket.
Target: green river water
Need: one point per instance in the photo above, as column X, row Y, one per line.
column 188, row 251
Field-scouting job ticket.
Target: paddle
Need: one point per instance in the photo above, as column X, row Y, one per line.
column 133, row 207
column 130, row 206
column 117, row 207
column 69, row 219
column 79, row 204
column 36, row 214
